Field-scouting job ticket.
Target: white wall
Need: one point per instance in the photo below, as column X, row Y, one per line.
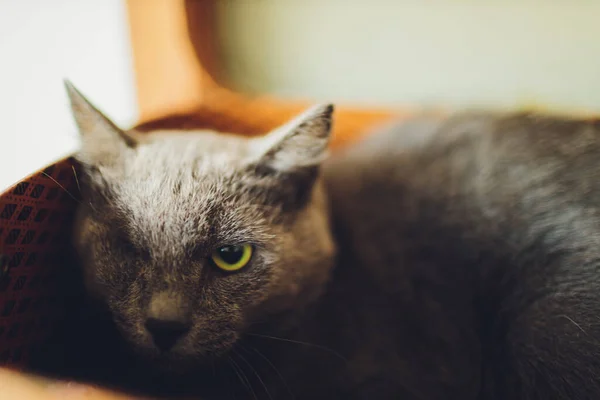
column 42, row 42
column 449, row 53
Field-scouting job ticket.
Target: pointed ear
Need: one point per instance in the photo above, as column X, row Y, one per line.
column 102, row 141
column 300, row 144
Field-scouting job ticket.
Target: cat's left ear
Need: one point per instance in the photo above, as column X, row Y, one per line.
column 300, row 144
column 103, row 142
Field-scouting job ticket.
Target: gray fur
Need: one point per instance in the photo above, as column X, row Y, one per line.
column 466, row 263
column 161, row 205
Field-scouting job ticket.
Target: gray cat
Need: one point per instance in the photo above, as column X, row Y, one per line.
column 443, row 258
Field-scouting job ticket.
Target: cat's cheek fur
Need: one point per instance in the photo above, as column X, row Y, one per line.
column 304, row 258
column 86, row 235
column 111, row 281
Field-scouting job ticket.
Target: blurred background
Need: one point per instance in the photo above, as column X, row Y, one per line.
column 443, row 53
column 142, row 60
column 41, row 43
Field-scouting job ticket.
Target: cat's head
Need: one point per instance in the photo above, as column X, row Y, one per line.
column 191, row 238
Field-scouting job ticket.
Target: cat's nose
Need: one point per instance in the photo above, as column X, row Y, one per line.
column 168, row 320
column 166, row 333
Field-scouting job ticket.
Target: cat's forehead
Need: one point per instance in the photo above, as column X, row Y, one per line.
column 182, row 168
column 181, row 183
column 194, row 151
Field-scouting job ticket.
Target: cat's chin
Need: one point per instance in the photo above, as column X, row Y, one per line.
column 179, row 375
column 172, row 364
column 177, row 361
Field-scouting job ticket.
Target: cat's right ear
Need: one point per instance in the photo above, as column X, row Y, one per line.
column 293, row 153
column 102, row 142
column 300, row 144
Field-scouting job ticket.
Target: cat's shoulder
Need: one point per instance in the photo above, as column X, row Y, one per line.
column 526, row 133
column 473, row 155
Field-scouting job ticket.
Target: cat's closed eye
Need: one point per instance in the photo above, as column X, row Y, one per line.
column 126, row 246
column 232, row 258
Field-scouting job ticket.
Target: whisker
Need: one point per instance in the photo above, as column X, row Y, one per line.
column 79, row 188
column 227, row 380
column 255, row 373
column 244, row 378
column 261, row 355
column 92, row 207
column 237, row 372
column 76, row 178
column 327, row 349
column 574, row 323
column 61, row 186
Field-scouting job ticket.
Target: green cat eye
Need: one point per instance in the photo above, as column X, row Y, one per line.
column 232, row 258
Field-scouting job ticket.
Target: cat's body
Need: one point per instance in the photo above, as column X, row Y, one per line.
column 441, row 259
column 480, row 234
column 468, row 264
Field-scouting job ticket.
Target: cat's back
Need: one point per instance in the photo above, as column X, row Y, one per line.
column 452, row 189
column 472, row 171
column 457, row 146
column 489, row 225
